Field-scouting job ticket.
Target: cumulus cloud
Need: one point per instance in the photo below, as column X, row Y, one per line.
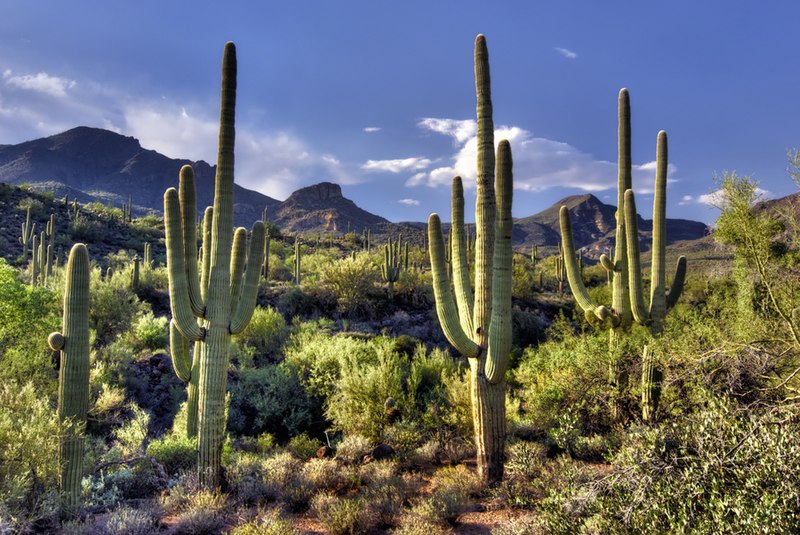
column 397, row 166
column 539, row 163
column 40, row 82
column 372, row 129
column 459, row 130
column 717, row 198
column 567, row 53
column 409, row 202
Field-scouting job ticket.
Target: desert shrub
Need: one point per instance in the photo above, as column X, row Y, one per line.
column 353, row 448
column 265, row 335
column 414, row 289
column 303, row 446
column 269, row 398
column 203, row 512
column 113, row 307
column 174, row 451
column 28, row 315
column 326, row 474
column 111, row 363
column 128, row 521
column 297, row 301
column 29, row 431
column 151, row 332
column 340, row 516
column 267, row 523
column 353, row 283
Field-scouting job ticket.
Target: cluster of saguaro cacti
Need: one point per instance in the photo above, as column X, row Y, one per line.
column 653, row 315
column 224, row 296
column 126, row 210
column 73, row 377
column 28, row 230
column 479, row 325
column 395, row 260
column 626, row 277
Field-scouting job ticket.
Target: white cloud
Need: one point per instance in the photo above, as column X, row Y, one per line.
column 567, row 53
column 459, row 130
column 371, row 129
column 686, row 199
column 409, row 202
column 397, row 166
column 39, row 82
column 716, row 198
column 539, row 163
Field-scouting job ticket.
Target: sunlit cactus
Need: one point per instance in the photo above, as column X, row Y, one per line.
column 479, row 325
column 28, row 231
column 73, row 377
column 227, row 304
column 660, row 301
column 392, row 264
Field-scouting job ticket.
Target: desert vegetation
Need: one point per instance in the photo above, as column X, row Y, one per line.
column 181, row 377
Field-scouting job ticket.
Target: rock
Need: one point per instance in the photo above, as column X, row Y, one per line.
column 382, row 452
column 324, row 452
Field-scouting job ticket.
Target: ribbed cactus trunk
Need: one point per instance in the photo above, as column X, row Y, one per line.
column 229, row 299
column 479, row 325
column 28, row 231
column 73, row 379
column 660, row 302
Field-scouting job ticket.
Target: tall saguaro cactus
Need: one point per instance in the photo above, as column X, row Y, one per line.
column 226, row 306
column 619, row 316
column 479, row 325
column 660, row 302
column 392, row 264
column 28, row 231
column 73, row 378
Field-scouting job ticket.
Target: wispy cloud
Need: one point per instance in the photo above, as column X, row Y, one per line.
column 567, row 53
column 40, row 82
column 539, row 163
column 717, row 198
column 409, row 202
column 397, row 166
column 372, row 129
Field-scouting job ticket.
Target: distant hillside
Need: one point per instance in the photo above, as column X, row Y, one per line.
column 93, row 164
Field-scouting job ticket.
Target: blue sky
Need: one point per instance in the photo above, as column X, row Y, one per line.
column 379, row 96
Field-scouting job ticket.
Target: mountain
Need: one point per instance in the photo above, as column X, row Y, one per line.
column 594, row 226
column 93, row 164
column 322, row 208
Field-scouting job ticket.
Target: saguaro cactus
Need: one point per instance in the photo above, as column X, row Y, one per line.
column 226, row 306
column 392, row 264
column 619, row 315
column 297, row 260
column 73, row 378
column 28, row 230
column 660, row 302
column 51, row 233
column 479, row 326
column 135, row 273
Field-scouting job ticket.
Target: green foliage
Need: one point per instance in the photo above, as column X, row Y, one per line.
column 151, row 332
column 264, row 335
column 113, row 307
column 175, row 451
column 353, row 281
column 268, row 399
column 303, row 446
column 29, row 435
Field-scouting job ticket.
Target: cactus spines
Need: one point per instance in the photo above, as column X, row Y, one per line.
column 652, row 316
column 220, row 317
column 73, row 379
column 28, row 231
column 488, row 342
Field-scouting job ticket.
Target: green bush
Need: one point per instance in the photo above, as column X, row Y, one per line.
column 175, row 452
column 151, row 332
column 265, row 335
column 113, row 307
column 353, row 282
column 269, row 399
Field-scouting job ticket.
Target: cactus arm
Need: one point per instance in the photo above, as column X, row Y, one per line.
column 485, row 204
column 178, row 286
column 607, row 263
column 637, row 304
column 179, row 351
column 461, row 280
column 658, row 276
column 249, row 293
column 445, row 305
column 677, row 283
column 573, row 271
column 208, row 217
column 500, row 326
column 238, row 259
column 188, row 205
